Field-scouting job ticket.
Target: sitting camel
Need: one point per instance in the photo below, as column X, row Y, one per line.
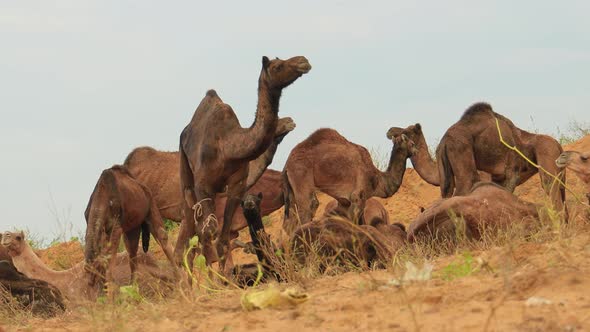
column 38, row 296
column 119, row 205
column 218, row 155
column 473, row 144
column 487, row 207
column 74, row 283
column 578, row 163
column 333, row 238
column 328, row 162
column 158, row 171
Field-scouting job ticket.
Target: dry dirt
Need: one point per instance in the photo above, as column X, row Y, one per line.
column 490, row 297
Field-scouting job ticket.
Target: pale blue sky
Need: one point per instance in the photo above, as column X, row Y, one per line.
column 82, row 83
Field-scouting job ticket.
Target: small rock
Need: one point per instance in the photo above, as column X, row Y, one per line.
column 534, row 301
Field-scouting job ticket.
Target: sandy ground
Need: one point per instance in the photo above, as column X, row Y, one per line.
column 491, row 297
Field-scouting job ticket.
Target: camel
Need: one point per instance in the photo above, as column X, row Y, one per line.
column 328, row 162
column 119, row 205
column 158, row 171
column 487, row 206
column 38, row 296
column 473, row 144
column 74, row 282
column 218, row 155
column 333, row 238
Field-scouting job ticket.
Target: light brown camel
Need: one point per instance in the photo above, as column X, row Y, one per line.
column 74, row 282
column 473, row 144
column 218, row 155
column 487, row 207
column 328, row 162
column 577, row 162
column 120, row 206
column 158, row 171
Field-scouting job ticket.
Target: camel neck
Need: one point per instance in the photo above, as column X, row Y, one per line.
column 424, row 164
column 32, row 266
column 392, row 178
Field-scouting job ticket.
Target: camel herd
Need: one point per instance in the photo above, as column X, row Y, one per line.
column 218, row 184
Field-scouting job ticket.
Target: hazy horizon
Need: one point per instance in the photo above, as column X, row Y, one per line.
column 83, row 83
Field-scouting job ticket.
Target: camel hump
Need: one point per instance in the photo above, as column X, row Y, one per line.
column 138, row 152
column 212, row 93
column 477, row 108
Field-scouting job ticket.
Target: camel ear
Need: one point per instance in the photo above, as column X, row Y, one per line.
column 417, row 128
column 260, row 195
column 265, row 62
column 393, row 132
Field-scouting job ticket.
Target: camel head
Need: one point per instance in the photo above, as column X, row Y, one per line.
column 14, row 242
column 577, row 162
column 252, row 202
column 404, row 144
column 279, row 74
column 413, row 132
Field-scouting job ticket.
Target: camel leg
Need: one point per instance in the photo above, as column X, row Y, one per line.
column 511, row 172
column 131, row 240
column 462, row 161
column 112, row 247
column 156, row 225
column 206, row 224
column 235, row 194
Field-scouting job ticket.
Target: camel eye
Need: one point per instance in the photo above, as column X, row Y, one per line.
column 18, row 238
column 584, row 158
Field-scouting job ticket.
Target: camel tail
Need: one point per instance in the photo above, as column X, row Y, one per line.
column 186, row 175
column 287, row 192
column 145, row 236
column 447, row 183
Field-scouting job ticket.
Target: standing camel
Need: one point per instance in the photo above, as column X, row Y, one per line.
column 328, row 162
column 120, row 206
column 218, row 155
column 473, row 144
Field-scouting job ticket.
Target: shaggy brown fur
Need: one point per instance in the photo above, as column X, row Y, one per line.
column 158, row 171
column 487, row 207
column 473, row 144
column 74, row 282
column 120, row 206
column 216, row 155
column 36, row 295
column 327, row 162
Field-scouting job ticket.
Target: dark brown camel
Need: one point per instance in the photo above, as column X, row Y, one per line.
column 218, row 155
column 158, row 171
column 36, row 295
column 473, row 144
column 120, row 206
column 334, row 239
column 327, row 162
column 487, row 207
